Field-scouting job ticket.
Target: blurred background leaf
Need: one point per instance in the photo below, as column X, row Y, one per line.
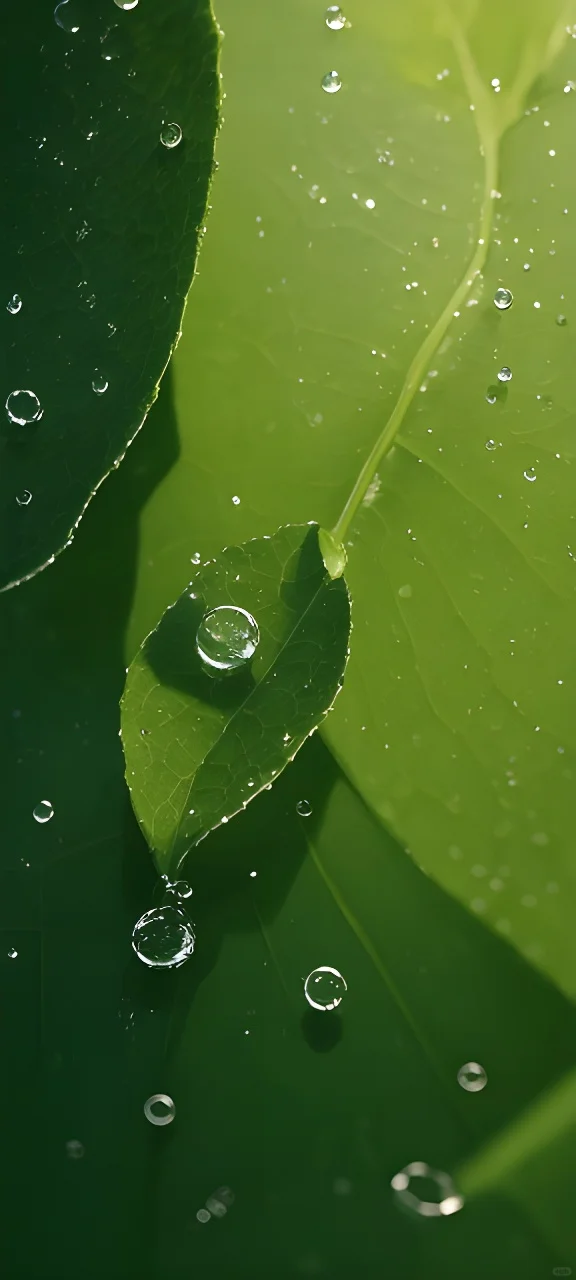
column 101, row 230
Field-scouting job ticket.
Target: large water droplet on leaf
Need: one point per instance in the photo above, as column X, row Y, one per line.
column 331, row 82
column 227, row 638
column 503, row 299
column 324, row 988
column 43, row 811
column 66, row 15
column 335, row 19
column 170, row 135
column 159, row 1109
column 23, row 407
column 472, row 1077
column 163, row 938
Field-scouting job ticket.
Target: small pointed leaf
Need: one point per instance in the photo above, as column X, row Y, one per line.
column 200, row 745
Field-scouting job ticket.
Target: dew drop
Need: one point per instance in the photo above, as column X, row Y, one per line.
column 99, row 383
column 227, row 638
column 12, row 954
column 159, row 1109
column 503, row 299
column 472, row 1077
column 530, row 474
column 304, row 808
column 490, row 444
column 491, row 398
column 163, row 938
column 203, row 1215
column 335, row 18
column 170, row 135
column 126, row 4
column 66, row 16
column 180, row 888
column 561, row 320
column 23, row 407
column 331, row 82
column 74, row 1149
column 24, row 498
column 14, row 305
column 43, row 811
column 324, row 988
column 504, row 374
column 417, row 1182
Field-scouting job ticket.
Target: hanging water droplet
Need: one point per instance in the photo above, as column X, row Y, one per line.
column 503, row 299
column 180, row 888
column 304, row 808
column 43, row 811
column 74, row 1149
column 426, row 1191
column 331, row 82
column 24, row 498
column 324, row 988
column 472, row 1077
column 12, row 954
column 170, row 135
column 227, row 638
column 335, row 18
column 159, row 1109
column 530, row 474
column 66, row 15
column 14, row 305
column 163, row 938
column 490, row 444
column 23, row 407
column 99, row 383
column 504, row 374
column 561, row 320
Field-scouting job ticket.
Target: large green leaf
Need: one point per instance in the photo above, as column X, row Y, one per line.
column 295, row 351
column 100, row 236
column 201, row 744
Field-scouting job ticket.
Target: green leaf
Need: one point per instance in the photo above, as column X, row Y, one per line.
column 199, row 748
column 99, row 245
column 298, row 313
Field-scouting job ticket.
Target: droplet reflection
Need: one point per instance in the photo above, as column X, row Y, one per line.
column 503, row 299
column 43, row 811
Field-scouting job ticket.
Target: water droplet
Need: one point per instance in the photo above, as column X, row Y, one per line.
column 472, row 1077
column 203, row 1215
column 490, row 444
column 530, row 474
column 163, row 938
column 561, row 320
column 227, row 637
column 44, row 811
column 180, row 888
column 491, row 396
column 304, row 808
column 170, row 135
column 335, row 18
column 126, row 4
column 99, row 383
column 24, row 498
column 159, row 1109
column 12, row 953
column 220, row 1201
column 23, row 407
column 331, row 82
column 14, row 305
column 503, row 299
column 324, row 988
column 504, row 374
column 417, row 1182
column 74, row 1149
column 66, row 15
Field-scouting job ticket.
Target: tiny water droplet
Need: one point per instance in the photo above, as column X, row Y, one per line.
column 180, row 888
column 331, row 82
column 561, row 320
column 195, row 559
column 12, row 954
column 24, row 498
column 304, row 808
column 66, row 16
column 99, row 383
column 503, row 299
column 324, row 988
column 490, row 444
column 163, row 938
column 170, row 135
column 472, row 1077
column 14, row 305
column 23, row 407
column 530, row 474
column 159, row 1109
column 417, row 1182
column 203, row 1215
column 227, row 638
column 335, row 18
column 74, row 1149
column 126, row 4
column 405, row 592
column 491, row 397
column 504, row 374
column 43, row 811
